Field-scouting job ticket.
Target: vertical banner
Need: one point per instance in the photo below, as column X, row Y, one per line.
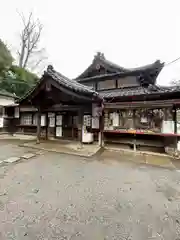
column 58, row 131
column 1, row 122
column 95, row 116
column 59, row 120
column 43, row 120
column 16, row 112
column 51, row 117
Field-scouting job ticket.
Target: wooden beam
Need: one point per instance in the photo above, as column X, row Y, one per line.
column 59, row 107
column 141, row 104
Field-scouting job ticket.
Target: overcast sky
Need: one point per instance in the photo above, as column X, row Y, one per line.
column 129, row 33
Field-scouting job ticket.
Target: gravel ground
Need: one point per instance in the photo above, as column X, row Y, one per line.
column 56, row 196
column 10, row 148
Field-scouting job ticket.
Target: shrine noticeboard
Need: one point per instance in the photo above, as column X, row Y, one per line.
column 95, row 122
column 51, row 117
column 168, row 127
column 58, row 131
column 1, row 122
column 43, row 120
column 95, row 116
column 178, row 120
column 16, row 113
column 178, row 116
column 59, row 120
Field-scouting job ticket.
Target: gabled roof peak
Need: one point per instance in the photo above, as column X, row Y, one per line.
column 50, row 68
column 99, row 55
column 65, row 83
column 102, row 67
column 68, row 83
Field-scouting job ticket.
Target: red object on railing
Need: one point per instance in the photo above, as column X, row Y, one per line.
column 142, row 133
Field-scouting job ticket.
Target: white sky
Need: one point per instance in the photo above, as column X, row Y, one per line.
column 129, row 32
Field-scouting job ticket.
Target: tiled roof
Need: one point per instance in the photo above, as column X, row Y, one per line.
column 113, row 66
column 64, row 82
column 116, row 70
column 134, row 91
column 119, row 69
column 69, row 83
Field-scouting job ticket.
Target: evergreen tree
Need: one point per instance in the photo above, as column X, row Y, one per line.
column 14, row 79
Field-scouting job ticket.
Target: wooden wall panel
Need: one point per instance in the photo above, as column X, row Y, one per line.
column 130, row 81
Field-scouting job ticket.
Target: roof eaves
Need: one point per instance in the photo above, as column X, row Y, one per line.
column 68, row 83
column 118, row 74
column 29, row 92
column 8, row 94
column 140, row 91
column 128, row 72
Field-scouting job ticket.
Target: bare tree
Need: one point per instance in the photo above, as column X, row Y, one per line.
column 30, row 54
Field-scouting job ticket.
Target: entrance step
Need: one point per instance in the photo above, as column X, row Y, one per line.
column 11, row 159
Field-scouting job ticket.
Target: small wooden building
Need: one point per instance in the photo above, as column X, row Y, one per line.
column 57, row 107
column 8, row 111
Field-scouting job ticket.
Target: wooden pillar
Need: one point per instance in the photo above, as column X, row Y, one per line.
column 38, row 126
column 47, row 126
column 101, row 130
column 134, row 126
column 175, row 127
column 175, row 119
column 105, row 123
column 80, row 125
column 134, row 143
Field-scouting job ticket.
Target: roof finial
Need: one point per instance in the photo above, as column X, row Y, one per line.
column 50, row 68
column 100, row 55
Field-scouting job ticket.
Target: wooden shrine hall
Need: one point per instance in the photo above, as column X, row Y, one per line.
column 56, row 107
column 137, row 113
column 106, row 103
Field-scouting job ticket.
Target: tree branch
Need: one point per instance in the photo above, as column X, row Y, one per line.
column 30, row 39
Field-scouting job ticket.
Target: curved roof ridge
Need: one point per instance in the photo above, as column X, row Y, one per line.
column 113, row 68
column 70, row 83
column 64, row 82
column 100, row 56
